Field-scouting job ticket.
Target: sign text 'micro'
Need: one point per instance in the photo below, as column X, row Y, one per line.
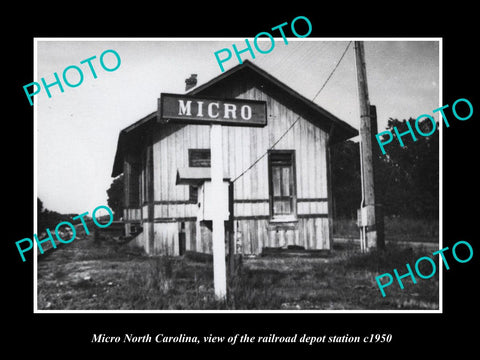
column 192, row 109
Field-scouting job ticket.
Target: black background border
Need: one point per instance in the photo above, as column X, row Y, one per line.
column 432, row 333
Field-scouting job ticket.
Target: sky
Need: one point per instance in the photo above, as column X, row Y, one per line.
column 77, row 130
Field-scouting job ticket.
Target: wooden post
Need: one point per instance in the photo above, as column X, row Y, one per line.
column 231, row 254
column 231, row 233
column 366, row 156
column 218, row 231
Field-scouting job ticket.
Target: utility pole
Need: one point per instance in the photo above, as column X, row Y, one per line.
column 368, row 214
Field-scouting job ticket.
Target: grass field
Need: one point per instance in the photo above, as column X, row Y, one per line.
column 88, row 275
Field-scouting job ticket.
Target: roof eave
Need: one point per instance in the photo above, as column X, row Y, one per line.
column 346, row 131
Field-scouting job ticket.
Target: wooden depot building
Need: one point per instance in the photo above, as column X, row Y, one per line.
column 278, row 196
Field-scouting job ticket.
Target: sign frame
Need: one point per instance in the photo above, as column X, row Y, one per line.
column 258, row 107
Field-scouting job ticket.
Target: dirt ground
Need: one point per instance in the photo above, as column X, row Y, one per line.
column 104, row 275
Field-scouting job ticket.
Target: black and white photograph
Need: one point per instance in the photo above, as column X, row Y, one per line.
column 309, row 216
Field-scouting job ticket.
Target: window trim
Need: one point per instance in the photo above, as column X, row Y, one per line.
column 294, row 215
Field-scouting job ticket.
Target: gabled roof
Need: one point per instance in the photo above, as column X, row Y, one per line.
column 325, row 119
column 342, row 125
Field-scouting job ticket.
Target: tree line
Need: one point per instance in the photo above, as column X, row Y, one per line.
column 49, row 219
column 407, row 177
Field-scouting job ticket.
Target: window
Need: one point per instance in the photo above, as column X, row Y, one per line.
column 282, row 187
column 197, row 158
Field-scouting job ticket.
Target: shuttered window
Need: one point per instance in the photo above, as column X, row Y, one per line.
column 197, row 158
column 283, row 197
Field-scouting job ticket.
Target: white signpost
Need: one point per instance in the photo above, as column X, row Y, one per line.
column 218, row 218
column 235, row 112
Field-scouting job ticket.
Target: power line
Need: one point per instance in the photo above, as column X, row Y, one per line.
column 334, row 69
column 298, row 118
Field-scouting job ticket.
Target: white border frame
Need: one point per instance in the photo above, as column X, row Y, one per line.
column 35, row 142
